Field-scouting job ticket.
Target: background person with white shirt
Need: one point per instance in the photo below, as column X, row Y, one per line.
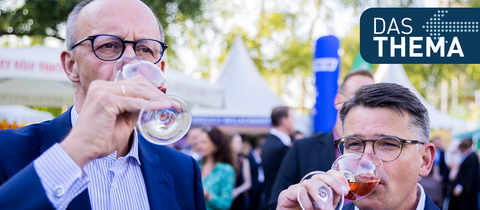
column 277, row 145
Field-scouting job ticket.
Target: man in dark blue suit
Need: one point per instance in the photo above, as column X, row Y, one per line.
column 91, row 157
column 466, row 185
column 389, row 121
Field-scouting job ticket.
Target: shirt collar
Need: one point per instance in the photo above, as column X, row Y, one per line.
column 133, row 151
column 282, row 136
column 420, row 197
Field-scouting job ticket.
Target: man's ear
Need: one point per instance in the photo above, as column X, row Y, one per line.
column 427, row 157
column 162, row 65
column 337, row 102
column 68, row 65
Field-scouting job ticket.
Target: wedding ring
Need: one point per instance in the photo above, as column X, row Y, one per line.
column 123, row 90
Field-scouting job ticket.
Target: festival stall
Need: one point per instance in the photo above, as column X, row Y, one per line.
column 33, row 76
column 248, row 99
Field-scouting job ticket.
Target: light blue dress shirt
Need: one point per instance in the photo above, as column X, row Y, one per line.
column 112, row 183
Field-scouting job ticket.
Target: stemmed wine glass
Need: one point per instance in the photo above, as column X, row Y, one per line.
column 159, row 126
column 363, row 173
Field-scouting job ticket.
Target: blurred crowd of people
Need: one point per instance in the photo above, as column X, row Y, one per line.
column 236, row 174
column 250, row 172
column 454, row 181
column 232, row 175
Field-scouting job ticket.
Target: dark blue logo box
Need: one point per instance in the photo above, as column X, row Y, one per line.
column 420, row 35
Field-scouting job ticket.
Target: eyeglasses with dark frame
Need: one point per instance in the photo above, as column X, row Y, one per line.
column 109, row 48
column 387, row 148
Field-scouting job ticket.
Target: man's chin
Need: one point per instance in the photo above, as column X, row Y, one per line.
column 372, row 201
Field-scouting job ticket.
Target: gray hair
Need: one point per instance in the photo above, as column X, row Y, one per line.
column 397, row 97
column 72, row 23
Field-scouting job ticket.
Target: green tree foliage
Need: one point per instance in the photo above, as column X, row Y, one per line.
column 36, row 18
column 41, row 19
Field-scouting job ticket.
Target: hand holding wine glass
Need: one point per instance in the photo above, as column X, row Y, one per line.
column 321, row 190
column 166, row 118
column 362, row 172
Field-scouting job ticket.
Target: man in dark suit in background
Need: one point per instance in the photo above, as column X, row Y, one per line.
column 91, row 157
column 277, row 145
column 466, row 185
column 317, row 152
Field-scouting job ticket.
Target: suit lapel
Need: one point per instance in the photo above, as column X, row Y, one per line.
column 429, row 204
column 326, row 148
column 57, row 130
column 159, row 184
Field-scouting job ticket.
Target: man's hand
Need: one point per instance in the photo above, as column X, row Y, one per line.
column 107, row 118
column 288, row 200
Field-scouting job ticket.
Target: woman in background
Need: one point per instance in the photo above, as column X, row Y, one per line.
column 243, row 180
column 218, row 174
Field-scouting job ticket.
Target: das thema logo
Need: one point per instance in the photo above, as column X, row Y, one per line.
column 420, row 35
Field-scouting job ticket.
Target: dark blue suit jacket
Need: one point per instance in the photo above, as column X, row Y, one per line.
column 316, row 153
column 172, row 179
column 272, row 155
column 429, row 205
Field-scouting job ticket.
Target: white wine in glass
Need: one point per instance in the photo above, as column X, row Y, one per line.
column 159, row 126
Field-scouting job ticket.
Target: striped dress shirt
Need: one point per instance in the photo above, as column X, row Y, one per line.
column 113, row 183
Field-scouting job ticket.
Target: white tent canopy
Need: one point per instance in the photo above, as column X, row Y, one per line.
column 196, row 92
column 33, row 76
column 22, row 115
column 248, row 98
column 394, row 73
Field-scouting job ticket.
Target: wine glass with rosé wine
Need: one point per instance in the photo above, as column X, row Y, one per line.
column 363, row 173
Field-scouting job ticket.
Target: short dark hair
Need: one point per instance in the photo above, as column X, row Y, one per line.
column 350, row 74
column 465, row 144
column 257, row 142
column 220, row 140
column 394, row 96
column 278, row 113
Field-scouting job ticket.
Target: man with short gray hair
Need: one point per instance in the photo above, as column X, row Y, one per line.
column 91, row 157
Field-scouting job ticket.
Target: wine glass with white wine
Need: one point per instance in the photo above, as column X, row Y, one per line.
column 159, row 126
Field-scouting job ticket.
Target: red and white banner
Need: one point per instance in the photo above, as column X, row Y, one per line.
column 34, row 63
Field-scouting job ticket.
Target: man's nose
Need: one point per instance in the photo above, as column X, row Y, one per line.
column 129, row 51
column 368, row 148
